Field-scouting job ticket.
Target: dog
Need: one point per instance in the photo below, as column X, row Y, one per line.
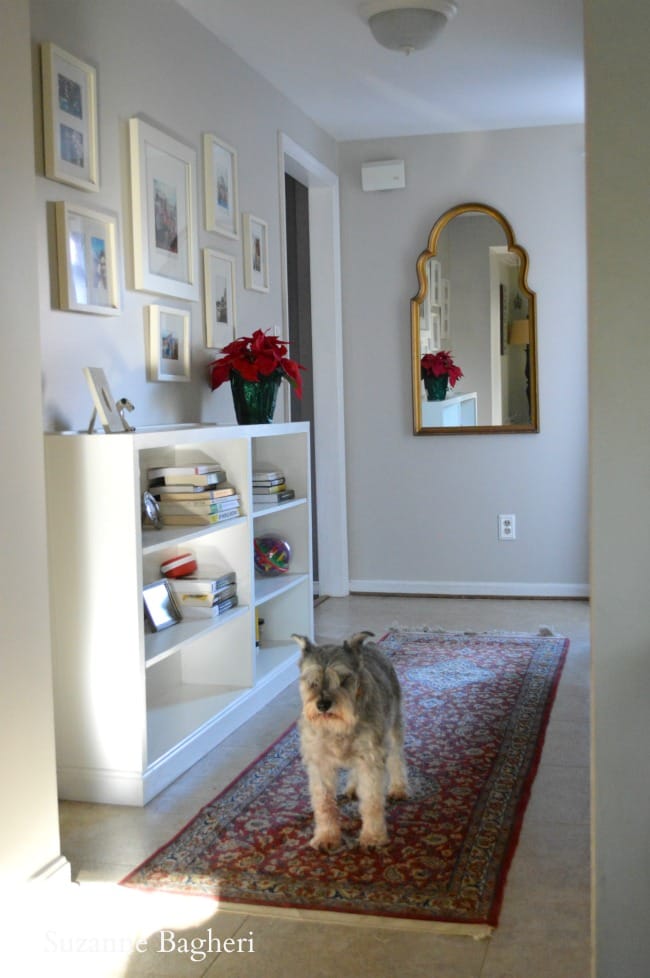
column 351, row 720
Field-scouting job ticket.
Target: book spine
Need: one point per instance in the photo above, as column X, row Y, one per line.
column 198, row 508
column 190, row 519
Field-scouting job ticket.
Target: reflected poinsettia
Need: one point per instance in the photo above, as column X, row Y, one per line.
column 438, row 364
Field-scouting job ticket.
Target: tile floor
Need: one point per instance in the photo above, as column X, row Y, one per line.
column 99, row 930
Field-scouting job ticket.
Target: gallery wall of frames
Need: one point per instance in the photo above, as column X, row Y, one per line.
column 161, row 206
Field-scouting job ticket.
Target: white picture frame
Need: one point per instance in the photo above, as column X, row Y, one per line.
column 169, row 343
column 103, row 401
column 256, row 253
column 163, row 197
column 220, row 186
column 220, row 298
column 69, row 118
column 87, row 253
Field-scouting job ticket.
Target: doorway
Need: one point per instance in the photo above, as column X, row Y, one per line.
column 296, row 196
column 327, row 355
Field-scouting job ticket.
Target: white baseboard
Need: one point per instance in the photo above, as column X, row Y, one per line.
column 498, row 589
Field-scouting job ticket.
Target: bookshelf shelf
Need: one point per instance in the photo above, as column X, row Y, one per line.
column 133, row 708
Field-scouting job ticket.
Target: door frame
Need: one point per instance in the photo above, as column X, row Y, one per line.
column 327, row 350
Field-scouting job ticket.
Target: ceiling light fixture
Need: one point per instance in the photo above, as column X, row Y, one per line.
column 407, row 25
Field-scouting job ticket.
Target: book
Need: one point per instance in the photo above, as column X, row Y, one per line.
column 268, row 482
column 188, row 600
column 203, row 585
column 193, row 611
column 194, row 492
column 270, row 499
column 198, row 506
column 200, row 479
column 197, row 519
column 197, row 469
column 263, row 490
column 264, row 475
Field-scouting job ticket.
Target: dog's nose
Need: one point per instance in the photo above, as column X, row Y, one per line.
column 323, row 704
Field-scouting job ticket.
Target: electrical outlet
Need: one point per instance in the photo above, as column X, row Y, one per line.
column 507, row 526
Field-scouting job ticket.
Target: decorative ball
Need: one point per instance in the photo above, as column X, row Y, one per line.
column 272, row 556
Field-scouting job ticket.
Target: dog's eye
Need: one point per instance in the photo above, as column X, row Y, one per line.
column 347, row 681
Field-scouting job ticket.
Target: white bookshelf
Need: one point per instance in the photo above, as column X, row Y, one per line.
column 134, row 708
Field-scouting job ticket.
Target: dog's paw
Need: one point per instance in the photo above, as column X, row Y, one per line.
column 373, row 840
column 325, row 841
column 398, row 792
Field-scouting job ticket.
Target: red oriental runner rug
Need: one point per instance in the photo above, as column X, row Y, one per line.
column 477, row 706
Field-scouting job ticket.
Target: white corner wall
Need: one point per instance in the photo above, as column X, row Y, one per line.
column 154, row 60
column 618, row 164
column 423, row 510
column 29, row 824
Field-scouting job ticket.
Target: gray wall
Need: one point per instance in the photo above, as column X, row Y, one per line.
column 154, row 60
column 618, row 163
column 423, row 511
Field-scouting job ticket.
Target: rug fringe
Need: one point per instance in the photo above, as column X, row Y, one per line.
column 479, row 932
column 396, row 629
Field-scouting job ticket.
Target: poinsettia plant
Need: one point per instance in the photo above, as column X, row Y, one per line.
column 254, row 357
column 437, row 364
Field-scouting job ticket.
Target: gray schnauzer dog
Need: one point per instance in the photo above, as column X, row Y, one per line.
column 351, row 720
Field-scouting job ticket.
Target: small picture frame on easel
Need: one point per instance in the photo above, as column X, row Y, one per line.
column 105, row 407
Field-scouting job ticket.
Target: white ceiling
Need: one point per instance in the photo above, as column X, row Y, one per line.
column 498, row 64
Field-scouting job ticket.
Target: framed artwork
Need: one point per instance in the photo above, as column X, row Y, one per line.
column 69, row 118
column 445, row 311
column 163, row 194
column 220, row 174
column 219, row 287
column 256, row 253
column 160, row 605
column 87, row 260
column 169, row 343
column 103, row 401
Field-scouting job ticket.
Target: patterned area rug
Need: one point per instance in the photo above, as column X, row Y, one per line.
column 477, row 706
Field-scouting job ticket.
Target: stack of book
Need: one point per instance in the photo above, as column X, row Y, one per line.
column 205, row 596
column 270, row 486
column 193, row 494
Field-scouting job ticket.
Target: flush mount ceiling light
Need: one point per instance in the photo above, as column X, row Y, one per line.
column 407, row 25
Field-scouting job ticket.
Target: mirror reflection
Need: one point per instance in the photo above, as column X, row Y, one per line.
column 473, row 328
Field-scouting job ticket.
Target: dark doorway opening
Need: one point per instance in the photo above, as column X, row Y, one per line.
column 299, row 307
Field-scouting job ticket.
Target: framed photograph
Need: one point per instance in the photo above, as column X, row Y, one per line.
column 160, row 605
column 87, row 260
column 69, row 118
column 256, row 253
column 169, row 343
column 219, row 286
column 103, row 401
column 163, row 193
column 220, row 173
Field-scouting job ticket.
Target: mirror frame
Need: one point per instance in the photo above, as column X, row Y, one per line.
column 416, row 301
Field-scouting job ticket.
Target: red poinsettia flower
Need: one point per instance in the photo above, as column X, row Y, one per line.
column 254, row 357
column 437, row 364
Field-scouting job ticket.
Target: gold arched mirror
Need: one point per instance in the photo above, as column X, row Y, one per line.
column 473, row 313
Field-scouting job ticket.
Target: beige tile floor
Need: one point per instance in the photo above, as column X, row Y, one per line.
column 99, row 930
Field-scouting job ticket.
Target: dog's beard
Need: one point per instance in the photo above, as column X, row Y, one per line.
column 340, row 718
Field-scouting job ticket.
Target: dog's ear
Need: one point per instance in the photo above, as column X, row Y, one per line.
column 303, row 642
column 355, row 643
